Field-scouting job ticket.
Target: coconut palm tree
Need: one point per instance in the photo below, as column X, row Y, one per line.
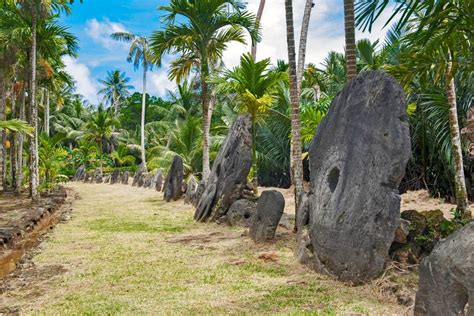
column 349, row 31
column 139, row 54
column 437, row 46
column 116, row 89
column 261, row 7
column 303, row 41
column 253, row 85
column 35, row 11
column 295, row 116
column 198, row 32
column 122, row 157
column 185, row 140
column 100, row 127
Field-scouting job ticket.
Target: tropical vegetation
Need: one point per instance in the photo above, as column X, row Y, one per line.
column 48, row 130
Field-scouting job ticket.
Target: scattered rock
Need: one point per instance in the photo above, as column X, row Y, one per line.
column 285, row 222
column 447, row 276
column 80, row 173
column 97, row 176
column 198, row 194
column 229, row 172
column 124, row 178
column 138, row 174
column 158, row 180
column 241, row 213
column 191, row 188
column 402, row 231
column 147, row 179
column 417, row 223
column 249, row 192
column 107, row 178
column 173, row 189
column 270, row 207
column 155, row 179
column 115, row 177
column 418, row 234
column 88, row 177
column 357, row 160
column 304, row 251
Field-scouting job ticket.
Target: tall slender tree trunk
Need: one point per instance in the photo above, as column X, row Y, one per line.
column 46, row 113
column 459, row 180
column 116, row 107
column 295, row 116
column 351, row 63
column 142, row 129
column 206, row 169
column 303, row 41
column 20, row 142
column 259, row 18
column 3, row 155
column 34, row 173
column 254, row 155
column 13, row 159
column 206, row 126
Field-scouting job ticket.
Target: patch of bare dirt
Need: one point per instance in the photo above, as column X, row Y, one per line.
column 421, row 201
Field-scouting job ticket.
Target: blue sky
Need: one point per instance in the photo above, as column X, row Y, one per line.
column 93, row 22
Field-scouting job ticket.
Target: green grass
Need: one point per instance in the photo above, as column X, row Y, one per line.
column 128, row 252
column 119, row 225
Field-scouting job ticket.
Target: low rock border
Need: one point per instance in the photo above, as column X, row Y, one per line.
column 22, row 235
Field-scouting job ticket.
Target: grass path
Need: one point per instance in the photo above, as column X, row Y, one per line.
column 125, row 251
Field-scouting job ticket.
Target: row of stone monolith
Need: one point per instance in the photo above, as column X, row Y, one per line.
column 143, row 179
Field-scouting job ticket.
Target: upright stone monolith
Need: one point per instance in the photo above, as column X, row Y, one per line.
column 191, row 188
column 158, row 180
column 173, row 189
column 124, row 178
column 80, row 173
column 138, row 174
column 229, row 172
column 357, row 160
column 270, row 208
column 115, row 177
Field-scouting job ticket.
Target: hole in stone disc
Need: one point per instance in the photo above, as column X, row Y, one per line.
column 333, row 179
column 247, row 215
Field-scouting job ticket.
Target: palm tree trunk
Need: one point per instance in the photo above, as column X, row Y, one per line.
column 142, row 129
column 295, row 116
column 115, row 105
column 206, row 124
column 459, row 180
column 46, row 113
column 351, row 63
column 254, row 156
column 13, row 159
column 34, row 173
column 20, row 141
column 3, row 156
column 303, row 41
column 259, row 18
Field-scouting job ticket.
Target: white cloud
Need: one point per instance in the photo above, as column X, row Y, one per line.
column 326, row 31
column 159, row 83
column 100, row 32
column 85, row 84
